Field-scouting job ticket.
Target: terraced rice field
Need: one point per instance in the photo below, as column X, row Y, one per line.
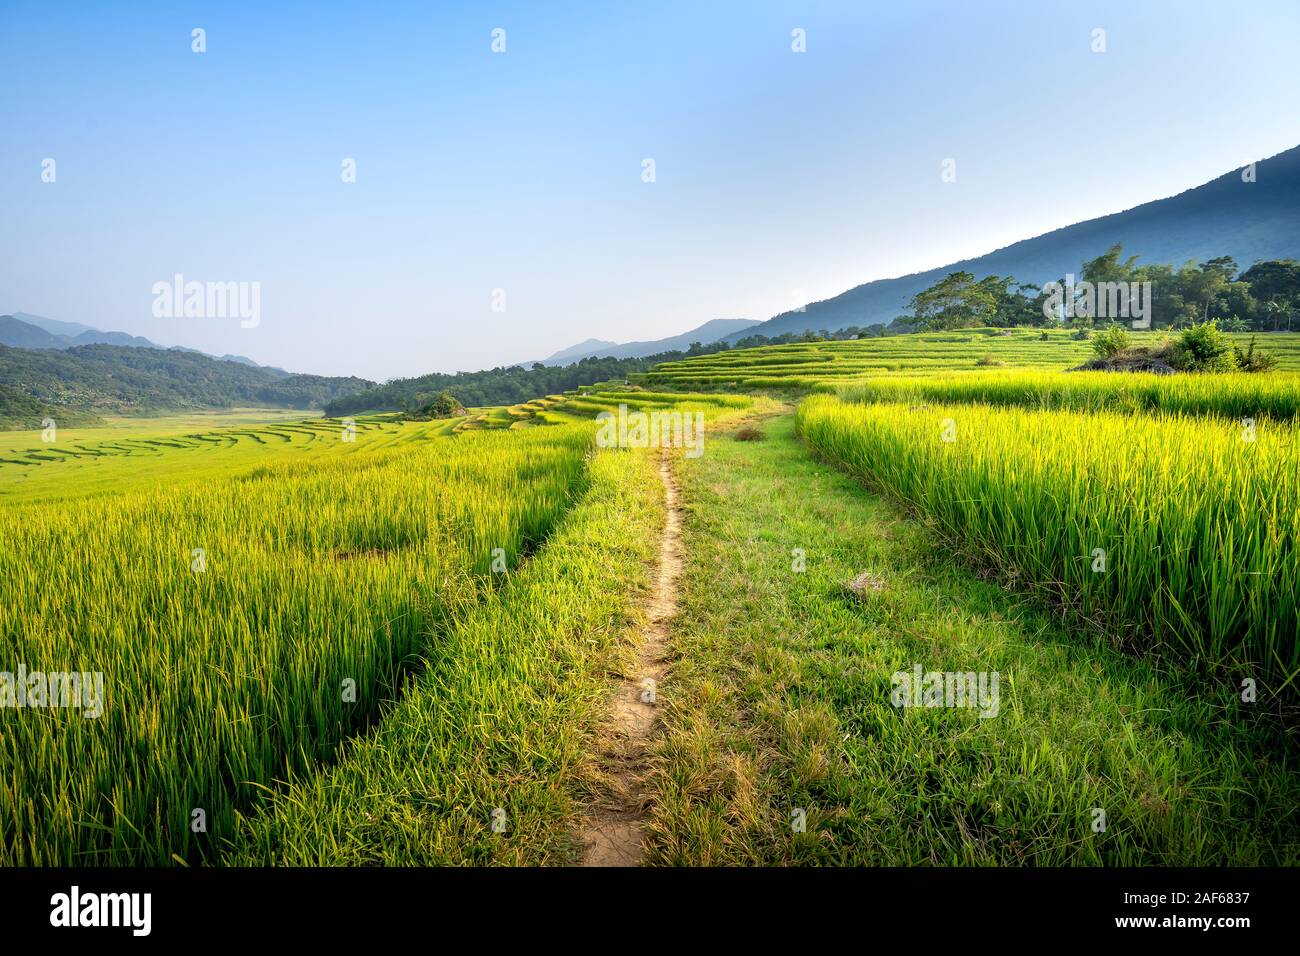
column 79, row 461
column 1237, row 396
column 825, row 365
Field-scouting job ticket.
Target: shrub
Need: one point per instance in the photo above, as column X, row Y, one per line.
column 1111, row 342
column 1082, row 335
column 442, row 405
column 987, row 359
column 1203, row 348
column 1252, row 361
column 750, row 433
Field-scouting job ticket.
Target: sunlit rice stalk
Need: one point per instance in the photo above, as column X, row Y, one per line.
column 1197, row 520
column 1234, row 396
column 218, row 682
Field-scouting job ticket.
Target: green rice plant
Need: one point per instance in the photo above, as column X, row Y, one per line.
column 780, row 698
column 1230, row 396
column 1178, row 533
column 243, row 627
column 503, row 715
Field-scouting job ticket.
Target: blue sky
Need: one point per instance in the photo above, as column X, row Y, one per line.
column 780, row 177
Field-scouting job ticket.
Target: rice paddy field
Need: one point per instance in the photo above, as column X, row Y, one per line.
column 84, row 461
column 1147, row 524
column 1185, row 483
column 254, row 593
column 380, row 641
column 1234, row 396
column 227, row 620
column 1174, row 533
column 825, row 365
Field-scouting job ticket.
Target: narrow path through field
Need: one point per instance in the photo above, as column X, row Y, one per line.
column 613, row 834
column 780, row 743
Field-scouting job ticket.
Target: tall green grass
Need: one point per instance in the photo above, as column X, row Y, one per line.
column 1200, row 528
column 220, row 682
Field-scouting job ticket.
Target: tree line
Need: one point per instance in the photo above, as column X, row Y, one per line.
column 504, row 385
column 1263, row 298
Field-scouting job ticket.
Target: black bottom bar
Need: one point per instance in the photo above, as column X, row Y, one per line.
column 336, row 907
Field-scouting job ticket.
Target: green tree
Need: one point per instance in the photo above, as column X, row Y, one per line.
column 954, row 302
column 1275, row 287
column 1109, row 267
column 1203, row 285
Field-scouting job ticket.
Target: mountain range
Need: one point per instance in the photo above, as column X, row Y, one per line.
column 1248, row 217
column 705, row 334
column 22, row 330
column 47, row 364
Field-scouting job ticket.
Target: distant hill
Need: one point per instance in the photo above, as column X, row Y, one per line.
column 1226, row 216
column 53, row 326
column 241, row 359
column 22, row 330
column 581, row 350
column 705, row 334
column 19, row 335
column 25, row 331
column 80, row 383
column 96, row 337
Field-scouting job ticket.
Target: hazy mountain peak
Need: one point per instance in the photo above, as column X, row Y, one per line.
column 53, row 326
column 705, row 334
column 22, row 330
column 583, row 348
